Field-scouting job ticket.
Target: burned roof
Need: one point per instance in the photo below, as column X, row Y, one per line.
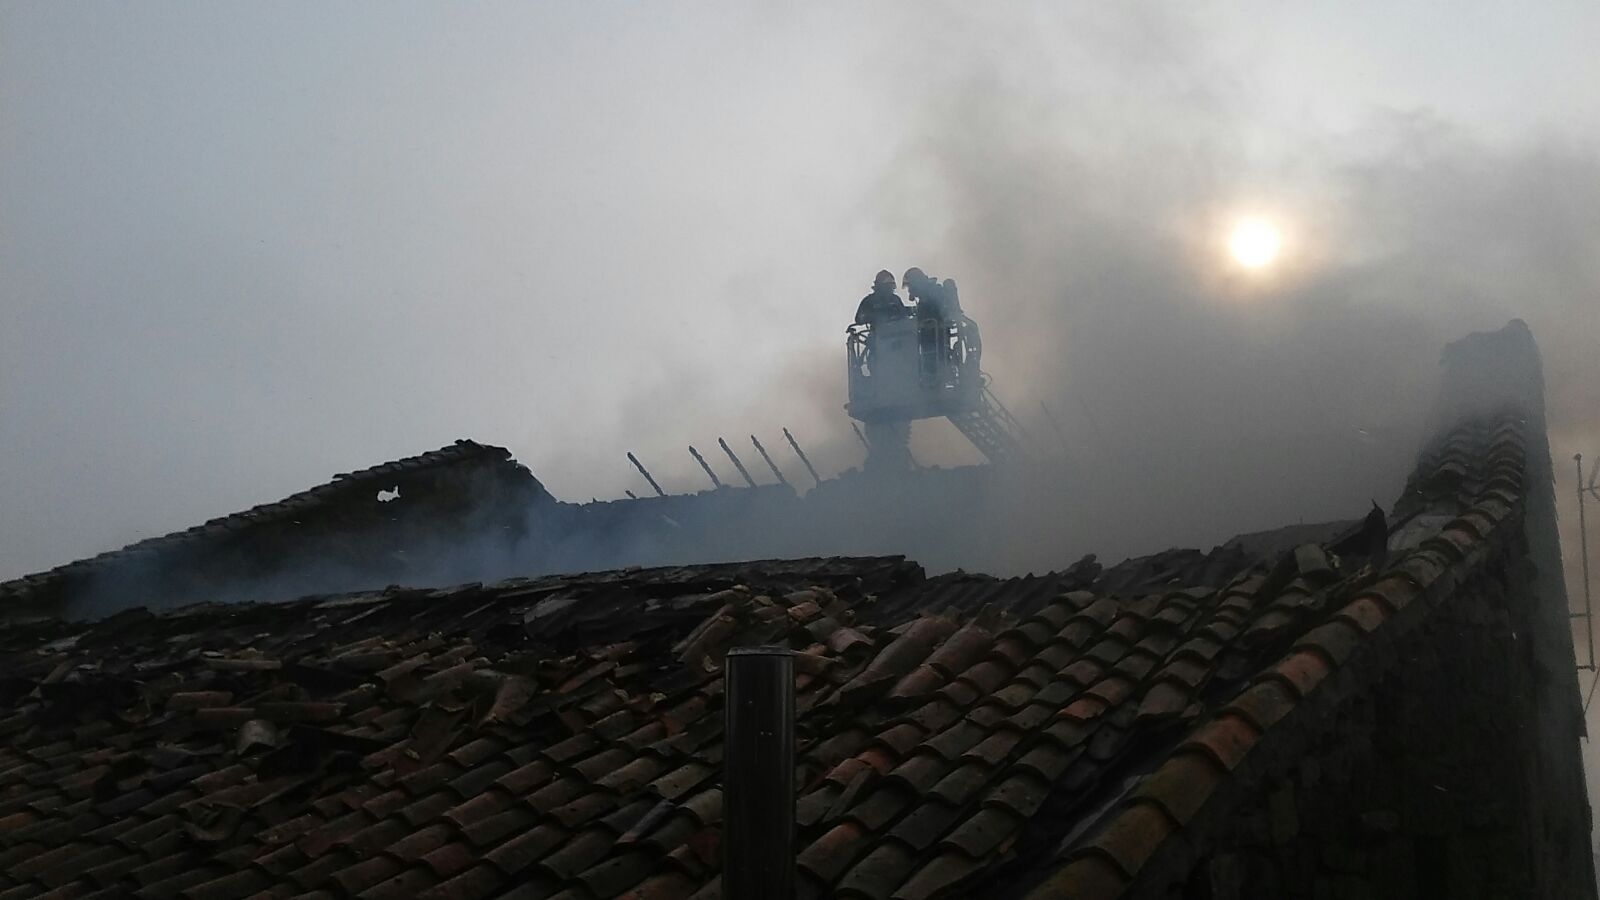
column 562, row 736
column 272, row 538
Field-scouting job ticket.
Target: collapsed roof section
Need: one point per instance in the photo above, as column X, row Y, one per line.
column 469, row 512
column 1342, row 713
column 388, row 520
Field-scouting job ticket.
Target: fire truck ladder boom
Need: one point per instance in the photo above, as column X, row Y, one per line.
column 991, row 428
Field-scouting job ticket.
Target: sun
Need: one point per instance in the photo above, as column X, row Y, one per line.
column 1255, row 243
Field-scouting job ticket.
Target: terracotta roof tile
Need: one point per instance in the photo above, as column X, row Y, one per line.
column 962, row 784
column 522, row 851
column 705, row 806
column 923, row 680
column 879, row 873
column 1131, row 837
column 937, row 876
column 557, row 793
column 615, row 875
column 666, row 886
column 1226, row 739
column 1366, row 613
column 1032, row 716
column 525, row 779
column 1048, row 760
column 365, row 874
column 883, row 805
column 1164, row 700
column 1085, row 878
column 1182, row 785
column 1057, row 655
column 984, row 831
column 420, row 843
column 920, row 772
column 1085, row 707
column 478, row 881
column 1335, row 640
column 1301, row 670
column 926, row 823
column 448, row 859
column 828, row 856
column 1034, row 634
column 1022, row 794
column 994, row 749
column 985, row 677
column 585, row 808
column 1263, row 704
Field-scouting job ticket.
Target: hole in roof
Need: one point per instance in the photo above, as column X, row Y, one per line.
column 387, row 494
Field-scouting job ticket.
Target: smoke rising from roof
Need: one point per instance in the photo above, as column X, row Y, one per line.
column 279, row 273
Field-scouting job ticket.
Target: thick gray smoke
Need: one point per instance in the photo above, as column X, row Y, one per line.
column 1196, row 400
column 1210, row 406
column 239, row 261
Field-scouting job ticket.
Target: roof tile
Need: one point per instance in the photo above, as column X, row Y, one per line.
column 919, row 773
column 361, row 876
column 829, row 855
column 1365, row 613
column 955, row 739
column 1263, row 704
column 986, row 676
column 961, row 785
column 883, row 805
column 982, row 833
column 925, row 824
column 1182, row 785
column 1226, row 739
column 1302, row 670
column 1335, row 640
column 994, row 749
column 1085, row 878
column 448, row 859
column 477, row 881
column 611, row 877
column 1048, row 760
column 527, row 848
column 880, row 872
column 937, row 876
column 1022, row 794
column 1130, row 837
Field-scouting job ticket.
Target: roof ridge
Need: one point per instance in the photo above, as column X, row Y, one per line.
column 260, row 514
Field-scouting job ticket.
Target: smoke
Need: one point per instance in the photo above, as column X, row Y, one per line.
column 1086, row 226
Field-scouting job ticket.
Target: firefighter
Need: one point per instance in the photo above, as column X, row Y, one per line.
column 950, row 301
column 934, row 300
column 883, row 304
column 971, row 342
column 920, row 287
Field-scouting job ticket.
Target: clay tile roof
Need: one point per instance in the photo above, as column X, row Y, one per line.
column 561, row 736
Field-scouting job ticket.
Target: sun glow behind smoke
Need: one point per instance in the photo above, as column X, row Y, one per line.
column 1254, row 243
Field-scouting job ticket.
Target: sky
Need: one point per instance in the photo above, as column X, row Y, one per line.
column 244, row 247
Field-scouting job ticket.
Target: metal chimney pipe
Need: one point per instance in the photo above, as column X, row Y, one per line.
column 758, row 775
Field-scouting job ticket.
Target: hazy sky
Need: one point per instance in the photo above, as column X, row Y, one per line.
column 246, row 246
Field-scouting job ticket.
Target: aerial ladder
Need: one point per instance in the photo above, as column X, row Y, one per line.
column 925, row 367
